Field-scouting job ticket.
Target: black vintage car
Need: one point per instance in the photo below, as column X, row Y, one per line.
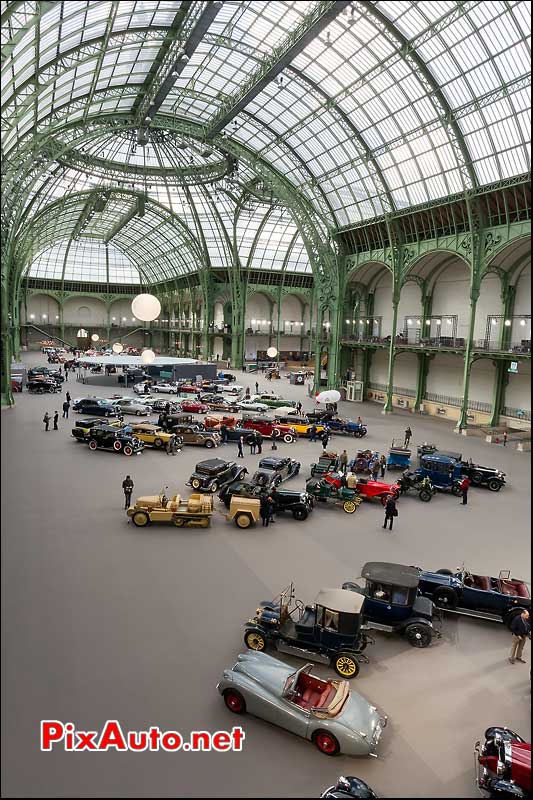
column 44, row 372
column 97, row 407
column 169, row 421
column 82, row 429
column 294, row 501
column 328, row 632
column 107, row 437
column 43, row 385
column 393, row 602
column 479, row 475
column 159, row 405
column 482, row 596
column 284, row 468
column 234, row 434
column 211, row 474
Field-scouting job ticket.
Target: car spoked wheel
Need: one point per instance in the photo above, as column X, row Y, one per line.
column 234, row 701
column 346, row 666
column 326, row 743
column 93, row 445
column 158, row 442
column 255, row 641
column 128, row 450
column 117, row 446
column 418, row 635
column 195, row 483
column 425, row 495
column 350, row 507
column 287, row 438
column 300, row 514
column 141, row 519
column 477, row 477
column 214, row 487
column 445, row 598
column 241, row 475
column 494, row 485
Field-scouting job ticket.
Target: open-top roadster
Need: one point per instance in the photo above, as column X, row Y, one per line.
column 326, row 712
column 503, row 765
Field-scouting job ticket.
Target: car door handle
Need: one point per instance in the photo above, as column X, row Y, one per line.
column 389, row 608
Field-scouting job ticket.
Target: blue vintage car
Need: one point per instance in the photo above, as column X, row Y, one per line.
column 347, row 426
column 393, row 602
column 443, row 471
column 482, row 596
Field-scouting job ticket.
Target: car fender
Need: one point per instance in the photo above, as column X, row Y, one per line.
column 419, row 621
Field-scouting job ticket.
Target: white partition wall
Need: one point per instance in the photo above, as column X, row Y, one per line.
column 451, row 296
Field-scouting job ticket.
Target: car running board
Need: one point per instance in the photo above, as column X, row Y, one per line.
column 312, row 655
column 476, row 614
column 378, row 626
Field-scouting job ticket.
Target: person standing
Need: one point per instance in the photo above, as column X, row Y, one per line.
column 271, row 508
column 168, row 447
column 465, row 485
column 240, row 443
column 253, row 444
column 325, row 440
column 167, row 408
column 68, row 397
column 56, row 417
column 259, row 442
column 66, row 372
column 127, row 487
column 351, row 480
column 383, row 465
column 504, row 437
column 359, row 421
column 256, row 387
column 344, row 462
column 223, row 433
column 520, row 630
column 374, row 469
column 264, row 511
column 66, row 406
column 312, row 433
column 408, row 434
column 390, row 511
column 46, row 420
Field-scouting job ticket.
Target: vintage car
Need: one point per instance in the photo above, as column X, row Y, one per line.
column 134, row 407
column 227, row 376
column 234, row 434
column 325, row 712
column 169, row 421
column 321, row 415
column 194, row 435
column 479, row 475
column 160, row 405
column 301, row 425
column 222, row 404
column 295, row 502
column 188, row 388
column 164, row 387
column 284, row 468
column 43, row 385
column 233, row 389
column 216, row 420
column 347, row 426
column 482, row 596
column 366, row 487
column 444, row 472
column 327, row 462
column 349, row 787
column 252, row 405
column 363, row 461
column 213, row 473
column 194, row 406
column 393, row 602
column 422, row 485
column 44, row 372
column 269, row 428
column 96, row 407
column 108, row 437
column 328, row 632
column 82, row 429
column 153, row 435
column 323, row 492
column 503, row 765
column 193, row 512
column 272, row 400
column 265, row 478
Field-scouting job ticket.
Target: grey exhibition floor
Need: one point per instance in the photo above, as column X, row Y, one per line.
column 105, row 621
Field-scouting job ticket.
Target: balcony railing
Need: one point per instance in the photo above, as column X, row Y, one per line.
column 516, row 413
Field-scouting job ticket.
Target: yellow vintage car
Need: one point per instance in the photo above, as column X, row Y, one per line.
column 193, row 512
column 301, row 425
column 149, row 434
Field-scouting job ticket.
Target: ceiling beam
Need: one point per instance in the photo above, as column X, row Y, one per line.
column 136, row 210
column 297, row 40
column 172, row 64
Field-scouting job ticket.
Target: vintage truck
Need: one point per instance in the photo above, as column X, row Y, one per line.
column 192, row 512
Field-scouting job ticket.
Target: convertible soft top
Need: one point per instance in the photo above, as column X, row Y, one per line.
column 394, row 574
column 342, row 600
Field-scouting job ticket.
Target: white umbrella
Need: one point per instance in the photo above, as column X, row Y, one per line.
column 329, row 396
column 284, row 410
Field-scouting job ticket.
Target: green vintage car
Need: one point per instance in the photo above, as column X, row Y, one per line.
column 272, row 400
column 323, row 492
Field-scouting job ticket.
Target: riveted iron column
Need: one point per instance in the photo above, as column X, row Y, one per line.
column 387, row 408
column 421, row 378
column 501, row 377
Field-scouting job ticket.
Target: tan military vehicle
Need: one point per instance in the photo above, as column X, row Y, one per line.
column 195, row 511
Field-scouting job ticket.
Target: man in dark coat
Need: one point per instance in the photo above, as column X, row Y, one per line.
column 66, row 406
column 259, row 442
column 390, row 512
column 520, row 629
column 127, row 486
column 56, row 417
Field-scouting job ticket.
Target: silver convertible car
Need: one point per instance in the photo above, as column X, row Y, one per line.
column 327, row 712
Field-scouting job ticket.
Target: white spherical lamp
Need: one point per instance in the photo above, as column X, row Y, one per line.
column 94, row 337
column 147, row 357
column 272, row 352
column 118, row 348
column 146, row 307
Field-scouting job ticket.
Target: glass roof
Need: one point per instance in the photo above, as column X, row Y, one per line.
column 387, row 106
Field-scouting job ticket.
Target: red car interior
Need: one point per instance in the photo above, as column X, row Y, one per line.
column 310, row 692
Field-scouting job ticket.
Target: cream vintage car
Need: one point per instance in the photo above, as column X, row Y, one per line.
column 152, row 435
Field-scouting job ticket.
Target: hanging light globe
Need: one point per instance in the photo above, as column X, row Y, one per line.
column 147, row 357
column 145, row 307
column 118, row 348
column 272, row 352
column 94, row 337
